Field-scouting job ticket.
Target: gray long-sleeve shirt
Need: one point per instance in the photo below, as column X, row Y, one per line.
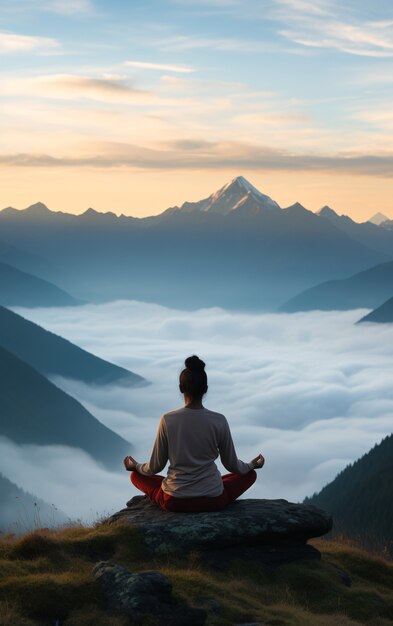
column 192, row 439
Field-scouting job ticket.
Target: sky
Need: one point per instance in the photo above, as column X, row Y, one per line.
column 311, row 391
column 137, row 105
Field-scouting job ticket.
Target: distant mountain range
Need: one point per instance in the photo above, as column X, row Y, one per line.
column 19, row 288
column 33, row 410
column 360, row 498
column 367, row 233
column 366, row 289
column 21, row 511
column 237, row 249
column 52, row 355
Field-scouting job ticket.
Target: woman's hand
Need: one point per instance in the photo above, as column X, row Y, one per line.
column 129, row 463
column 258, row 462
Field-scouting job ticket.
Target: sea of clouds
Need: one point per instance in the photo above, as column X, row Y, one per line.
column 310, row 391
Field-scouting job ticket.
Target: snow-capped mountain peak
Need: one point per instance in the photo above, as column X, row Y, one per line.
column 249, row 188
column 238, row 194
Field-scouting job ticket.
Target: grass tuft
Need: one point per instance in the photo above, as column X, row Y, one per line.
column 46, row 575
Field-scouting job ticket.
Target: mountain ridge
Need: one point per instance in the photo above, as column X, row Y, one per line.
column 20, row 288
column 366, row 289
column 216, row 202
column 53, row 355
column 45, row 415
column 248, row 251
column 245, row 188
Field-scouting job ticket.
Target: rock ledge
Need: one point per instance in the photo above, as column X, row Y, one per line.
column 267, row 524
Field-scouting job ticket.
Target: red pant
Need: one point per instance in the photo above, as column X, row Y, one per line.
column 234, row 486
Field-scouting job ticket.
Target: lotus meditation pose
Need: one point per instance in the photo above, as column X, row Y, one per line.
column 191, row 439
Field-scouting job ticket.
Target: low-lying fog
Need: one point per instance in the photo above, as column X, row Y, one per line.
column 311, row 391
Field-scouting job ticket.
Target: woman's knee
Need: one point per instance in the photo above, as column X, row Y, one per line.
column 252, row 476
column 147, row 484
column 134, row 478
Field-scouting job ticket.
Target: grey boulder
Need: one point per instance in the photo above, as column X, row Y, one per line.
column 144, row 594
column 248, row 522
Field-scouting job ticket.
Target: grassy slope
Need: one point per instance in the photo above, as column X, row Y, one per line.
column 46, row 575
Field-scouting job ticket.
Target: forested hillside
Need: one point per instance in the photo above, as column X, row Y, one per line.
column 360, row 498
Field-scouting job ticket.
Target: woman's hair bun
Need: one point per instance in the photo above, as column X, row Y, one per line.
column 194, row 363
column 193, row 379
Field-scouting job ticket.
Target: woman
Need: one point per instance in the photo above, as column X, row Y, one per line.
column 191, row 438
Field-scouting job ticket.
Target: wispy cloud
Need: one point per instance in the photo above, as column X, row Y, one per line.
column 380, row 116
column 192, row 155
column 373, row 39
column 219, row 44
column 270, row 118
column 13, row 42
column 314, row 7
column 142, row 65
column 74, row 86
column 310, row 24
column 68, row 7
column 61, row 7
column 259, row 9
column 331, row 25
column 176, row 96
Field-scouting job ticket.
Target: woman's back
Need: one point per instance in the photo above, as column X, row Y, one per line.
column 192, row 439
column 193, row 436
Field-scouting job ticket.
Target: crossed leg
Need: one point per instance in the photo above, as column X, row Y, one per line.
column 234, row 485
